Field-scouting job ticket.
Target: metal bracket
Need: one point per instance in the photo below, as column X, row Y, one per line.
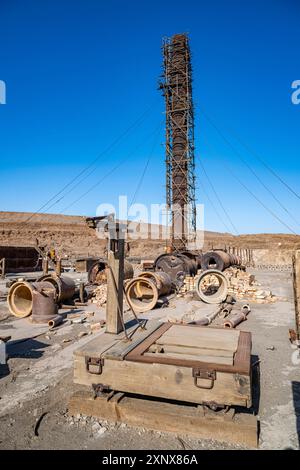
column 206, row 375
column 94, row 365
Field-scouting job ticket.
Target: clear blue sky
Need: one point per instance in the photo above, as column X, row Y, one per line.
column 78, row 73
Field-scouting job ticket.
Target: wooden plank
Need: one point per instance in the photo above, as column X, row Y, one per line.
column 119, row 350
column 167, row 381
column 98, row 346
column 115, row 280
column 211, row 343
column 203, row 337
column 231, row 428
column 196, row 330
column 193, row 351
column 191, row 357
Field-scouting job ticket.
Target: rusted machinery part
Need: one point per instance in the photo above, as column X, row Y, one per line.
column 225, row 310
column 64, row 286
column 44, row 307
column 57, row 320
column 141, row 294
column 162, row 281
column 222, row 289
column 234, row 320
column 194, row 255
column 230, row 299
column 176, row 265
column 97, row 273
column 19, row 298
column 98, row 267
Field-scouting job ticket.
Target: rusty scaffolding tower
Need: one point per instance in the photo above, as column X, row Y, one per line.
column 180, row 163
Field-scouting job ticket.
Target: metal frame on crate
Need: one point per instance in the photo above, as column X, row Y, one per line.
column 180, row 162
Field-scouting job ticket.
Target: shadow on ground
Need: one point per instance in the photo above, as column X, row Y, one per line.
column 296, row 399
column 28, row 349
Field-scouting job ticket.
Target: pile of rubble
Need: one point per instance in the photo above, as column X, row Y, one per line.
column 243, row 285
column 100, row 295
column 189, row 284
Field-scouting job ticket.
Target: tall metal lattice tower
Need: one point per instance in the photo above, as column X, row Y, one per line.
column 180, row 163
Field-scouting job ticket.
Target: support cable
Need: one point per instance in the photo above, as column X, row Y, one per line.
column 218, row 198
column 214, row 208
column 135, row 124
column 256, row 198
column 110, row 172
column 250, row 169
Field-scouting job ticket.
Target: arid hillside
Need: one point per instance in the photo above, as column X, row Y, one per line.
column 71, row 236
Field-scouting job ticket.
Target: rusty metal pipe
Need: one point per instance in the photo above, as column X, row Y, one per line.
column 143, row 292
column 55, row 321
column 44, row 307
column 64, row 286
column 226, row 311
column 20, row 297
column 234, row 320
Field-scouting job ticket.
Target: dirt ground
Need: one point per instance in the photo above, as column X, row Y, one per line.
column 36, row 384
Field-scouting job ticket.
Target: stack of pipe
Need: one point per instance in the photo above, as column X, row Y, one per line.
column 236, row 318
column 219, row 259
column 143, row 292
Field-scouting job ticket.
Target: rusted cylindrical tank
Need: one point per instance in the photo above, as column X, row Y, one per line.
column 19, row 298
column 194, row 256
column 217, row 259
column 143, row 292
column 97, row 273
column 44, row 307
column 212, row 286
column 162, row 281
column 64, row 286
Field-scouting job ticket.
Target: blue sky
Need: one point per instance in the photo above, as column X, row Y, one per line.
column 80, row 73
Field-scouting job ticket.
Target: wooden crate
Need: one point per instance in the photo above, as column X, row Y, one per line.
column 187, row 363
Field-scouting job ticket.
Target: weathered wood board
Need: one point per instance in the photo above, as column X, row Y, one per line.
column 194, row 421
column 200, row 338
